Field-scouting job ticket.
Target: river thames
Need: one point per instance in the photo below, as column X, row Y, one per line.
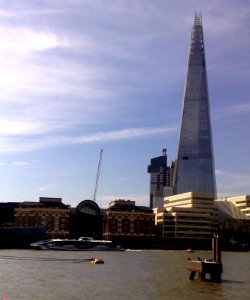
column 141, row 274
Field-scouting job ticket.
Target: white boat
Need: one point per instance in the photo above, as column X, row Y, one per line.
column 82, row 244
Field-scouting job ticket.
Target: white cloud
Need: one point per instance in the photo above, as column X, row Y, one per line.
column 47, row 187
column 27, row 145
column 232, row 111
column 2, row 164
column 225, row 21
column 12, row 127
column 68, row 67
column 238, row 109
column 120, row 134
column 231, row 184
column 83, row 76
column 20, row 163
column 23, row 39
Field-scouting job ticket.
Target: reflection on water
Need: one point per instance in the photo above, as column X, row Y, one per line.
column 30, row 274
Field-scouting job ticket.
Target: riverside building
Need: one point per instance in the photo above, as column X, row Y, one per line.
column 234, row 222
column 49, row 213
column 128, row 224
column 191, row 215
column 242, row 203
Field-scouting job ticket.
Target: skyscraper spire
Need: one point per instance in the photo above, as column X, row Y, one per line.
column 197, row 19
column 194, row 169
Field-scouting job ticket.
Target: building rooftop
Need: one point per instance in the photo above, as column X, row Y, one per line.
column 227, row 210
column 127, row 205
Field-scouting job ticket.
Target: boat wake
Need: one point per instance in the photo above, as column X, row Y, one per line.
column 72, row 260
column 134, row 250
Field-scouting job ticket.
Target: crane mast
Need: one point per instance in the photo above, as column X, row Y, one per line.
column 97, row 176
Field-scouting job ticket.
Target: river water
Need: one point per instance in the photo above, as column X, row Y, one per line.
column 141, row 274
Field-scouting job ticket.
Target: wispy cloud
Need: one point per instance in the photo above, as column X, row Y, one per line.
column 85, row 72
column 232, row 111
column 222, row 22
column 231, row 184
column 47, row 187
column 27, row 145
column 23, row 39
column 241, row 108
column 121, row 134
column 20, row 163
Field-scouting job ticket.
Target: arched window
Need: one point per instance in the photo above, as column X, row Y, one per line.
column 88, row 207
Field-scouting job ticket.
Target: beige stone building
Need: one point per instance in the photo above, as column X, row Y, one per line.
column 189, row 215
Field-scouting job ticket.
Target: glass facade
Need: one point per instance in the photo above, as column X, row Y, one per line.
column 194, row 169
column 159, row 177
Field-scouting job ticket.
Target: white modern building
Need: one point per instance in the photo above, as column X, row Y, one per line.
column 191, row 215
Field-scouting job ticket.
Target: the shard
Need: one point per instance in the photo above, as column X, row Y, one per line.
column 194, row 167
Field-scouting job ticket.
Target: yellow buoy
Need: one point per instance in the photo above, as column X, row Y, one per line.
column 97, row 261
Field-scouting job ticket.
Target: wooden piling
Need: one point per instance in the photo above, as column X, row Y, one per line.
column 213, row 267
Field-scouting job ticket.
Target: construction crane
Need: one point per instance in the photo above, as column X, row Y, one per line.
column 97, row 176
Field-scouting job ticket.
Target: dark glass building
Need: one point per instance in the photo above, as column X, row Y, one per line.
column 159, row 178
column 194, row 167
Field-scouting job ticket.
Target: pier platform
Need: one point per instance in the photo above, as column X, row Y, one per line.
column 214, row 269
column 213, row 266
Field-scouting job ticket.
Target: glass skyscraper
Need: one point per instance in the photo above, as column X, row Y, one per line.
column 194, row 167
column 159, row 178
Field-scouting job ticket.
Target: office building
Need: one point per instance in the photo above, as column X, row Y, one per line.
column 159, row 178
column 189, row 212
column 191, row 215
column 194, row 167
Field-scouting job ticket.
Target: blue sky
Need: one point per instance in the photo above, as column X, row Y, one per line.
column 80, row 76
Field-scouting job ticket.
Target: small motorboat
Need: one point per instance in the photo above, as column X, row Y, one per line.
column 190, row 250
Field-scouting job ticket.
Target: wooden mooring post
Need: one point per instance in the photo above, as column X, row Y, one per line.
column 211, row 266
